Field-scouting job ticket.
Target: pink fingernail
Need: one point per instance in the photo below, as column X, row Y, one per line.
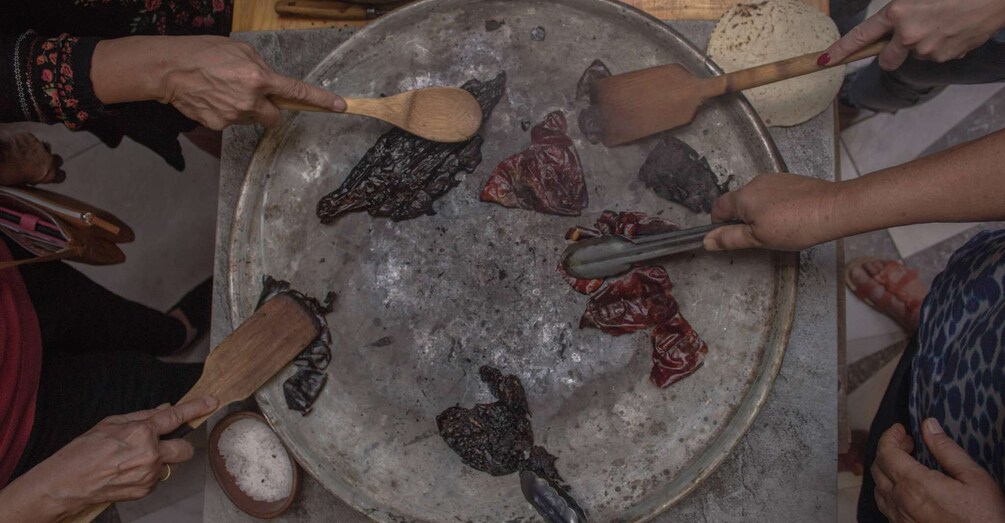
column 933, row 426
column 824, row 59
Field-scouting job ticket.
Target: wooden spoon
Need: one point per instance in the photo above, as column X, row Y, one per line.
column 641, row 103
column 243, row 362
column 440, row 114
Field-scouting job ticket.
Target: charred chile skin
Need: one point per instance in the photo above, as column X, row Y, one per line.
column 676, row 172
column 491, row 437
column 497, row 437
column 303, row 388
column 402, row 175
column 589, row 117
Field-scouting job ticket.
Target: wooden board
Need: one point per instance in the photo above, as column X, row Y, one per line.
column 697, row 9
column 260, row 15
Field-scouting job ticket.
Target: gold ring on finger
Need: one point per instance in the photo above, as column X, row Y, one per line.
column 167, row 474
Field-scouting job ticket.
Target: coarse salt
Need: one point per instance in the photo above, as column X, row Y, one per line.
column 256, row 459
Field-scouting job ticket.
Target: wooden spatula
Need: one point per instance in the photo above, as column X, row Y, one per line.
column 641, row 103
column 440, row 114
column 243, row 362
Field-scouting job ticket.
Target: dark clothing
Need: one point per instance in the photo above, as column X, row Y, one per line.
column 919, row 80
column 99, row 356
column 893, row 409
column 953, row 368
column 45, row 53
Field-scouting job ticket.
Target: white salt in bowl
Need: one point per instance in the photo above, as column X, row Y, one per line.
column 252, row 466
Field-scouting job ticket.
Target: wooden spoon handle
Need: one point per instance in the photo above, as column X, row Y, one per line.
column 285, row 104
column 390, row 109
column 777, row 71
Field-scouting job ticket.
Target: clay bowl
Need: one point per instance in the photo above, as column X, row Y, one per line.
column 227, row 482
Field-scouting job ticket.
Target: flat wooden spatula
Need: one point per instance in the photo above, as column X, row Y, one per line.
column 279, row 330
column 439, row 114
column 641, row 103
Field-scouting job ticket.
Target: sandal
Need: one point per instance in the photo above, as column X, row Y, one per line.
column 893, row 290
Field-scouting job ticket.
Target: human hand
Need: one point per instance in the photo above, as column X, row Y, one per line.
column 907, row 491
column 219, row 82
column 24, row 159
column 121, row 458
column 938, row 30
column 780, row 211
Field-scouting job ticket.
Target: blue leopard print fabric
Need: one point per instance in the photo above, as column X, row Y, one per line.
column 958, row 373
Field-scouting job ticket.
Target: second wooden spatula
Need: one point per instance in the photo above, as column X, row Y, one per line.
column 440, row 114
column 641, row 103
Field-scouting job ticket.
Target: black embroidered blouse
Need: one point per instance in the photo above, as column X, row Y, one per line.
column 45, row 65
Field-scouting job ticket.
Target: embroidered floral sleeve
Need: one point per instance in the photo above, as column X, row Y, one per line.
column 51, row 80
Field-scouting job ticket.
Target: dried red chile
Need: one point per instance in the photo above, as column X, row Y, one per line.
column 628, row 224
column 677, row 172
column 635, row 301
column 546, row 177
column 303, row 388
column 639, row 300
column 402, row 174
column 677, row 351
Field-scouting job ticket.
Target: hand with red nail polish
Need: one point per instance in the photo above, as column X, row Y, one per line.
column 937, row 30
column 907, row 491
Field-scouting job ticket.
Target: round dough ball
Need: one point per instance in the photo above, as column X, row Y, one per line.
column 753, row 34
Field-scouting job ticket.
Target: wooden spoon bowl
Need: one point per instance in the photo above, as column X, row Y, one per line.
column 439, row 114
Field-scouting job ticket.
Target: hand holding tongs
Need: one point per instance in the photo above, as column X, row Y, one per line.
column 611, row 255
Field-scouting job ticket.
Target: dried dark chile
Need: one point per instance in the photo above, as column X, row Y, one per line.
column 589, row 117
column 491, row 437
column 497, row 438
column 317, row 355
column 402, row 174
column 302, row 389
column 677, row 172
column 547, row 177
column 596, row 71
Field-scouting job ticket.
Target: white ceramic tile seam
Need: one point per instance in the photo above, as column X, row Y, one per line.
column 912, row 239
column 886, row 140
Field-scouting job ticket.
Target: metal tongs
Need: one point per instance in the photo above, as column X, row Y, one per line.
column 611, row 255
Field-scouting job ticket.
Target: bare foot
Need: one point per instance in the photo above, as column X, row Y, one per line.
column 889, row 287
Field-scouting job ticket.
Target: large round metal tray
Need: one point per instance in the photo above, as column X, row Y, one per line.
column 424, row 303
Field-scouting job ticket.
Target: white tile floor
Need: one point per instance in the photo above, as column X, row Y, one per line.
column 174, row 217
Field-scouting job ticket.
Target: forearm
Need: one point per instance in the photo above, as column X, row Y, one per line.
column 965, row 183
column 28, row 499
column 132, row 69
